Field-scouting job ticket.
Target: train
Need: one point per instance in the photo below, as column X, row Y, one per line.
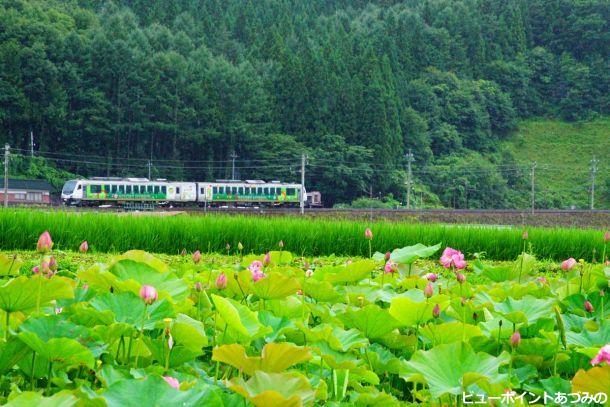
column 121, row 191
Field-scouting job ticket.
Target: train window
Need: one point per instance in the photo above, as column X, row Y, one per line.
column 156, row 189
column 106, row 188
column 290, row 191
column 241, row 190
column 214, row 190
column 96, row 189
column 136, row 189
column 121, row 189
column 128, row 189
column 266, row 191
column 163, row 189
column 149, row 189
column 247, row 190
column 113, row 189
column 177, row 190
column 259, row 190
column 79, row 187
column 234, row 190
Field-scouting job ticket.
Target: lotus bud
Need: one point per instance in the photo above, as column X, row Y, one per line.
column 348, row 262
column 148, row 293
column 36, row 269
column 461, row 278
column 45, row 265
column 431, row 277
column 196, row 257
column 228, row 247
column 280, row 244
column 543, row 280
column 53, row 264
column 198, row 287
column 525, row 235
column 606, row 237
column 588, row 306
column 368, row 234
column 172, row 382
column 515, row 339
column 387, row 256
column 361, row 300
column 267, row 259
column 45, row 243
column 309, row 273
column 170, row 342
column 436, row 311
column 299, row 292
column 390, row 267
column 84, row 247
column 183, row 252
column 221, row 281
column 429, row 290
column 240, row 246
column 602, row 293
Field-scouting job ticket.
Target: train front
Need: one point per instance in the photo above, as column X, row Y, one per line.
column 69, row 192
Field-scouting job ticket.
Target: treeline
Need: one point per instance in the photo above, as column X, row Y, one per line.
column 353, row 84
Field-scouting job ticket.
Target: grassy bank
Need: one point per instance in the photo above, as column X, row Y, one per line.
column 117, row 233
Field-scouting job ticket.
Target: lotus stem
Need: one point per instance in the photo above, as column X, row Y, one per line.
column 141, row 335
column 8, row 316
column 33, row 384
column 49, row 378
column 370, row 249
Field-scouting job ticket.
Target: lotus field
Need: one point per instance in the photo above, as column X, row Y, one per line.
column 416, row 325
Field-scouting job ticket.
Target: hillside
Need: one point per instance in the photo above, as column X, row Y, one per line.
column 563, row 152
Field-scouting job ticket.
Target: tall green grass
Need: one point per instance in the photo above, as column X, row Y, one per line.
column 105, row 232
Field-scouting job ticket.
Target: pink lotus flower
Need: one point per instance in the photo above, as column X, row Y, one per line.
column 431, row 277
column 308, row 273
column 259, row 275
column 45, row 243
column 602, row 356
column 429, row 290
column 267, row 259
column 368, row 234
column 390, row 267
column 35, row 269
column 387, row 256
column 221, row 281
column 515, row 339
column 436, row 311
column 568, row 264
column 84, row 247
column 606, row 237
column 543, row 280
column 45, row 265
column 172, row 382
column 196, row 257
column 148, row 293
column 452, row 257
column 588, row 306
column 255, row 267
column 58, row 310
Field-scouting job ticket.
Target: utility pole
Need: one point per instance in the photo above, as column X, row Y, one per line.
column 6, row 157
column 533, row 181
column 409, row 157
column 31, row 143
column 233, row 157
column 149, row 165
column 303, row 158
column 594, row 163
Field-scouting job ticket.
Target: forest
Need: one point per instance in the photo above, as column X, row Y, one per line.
column 128, row 87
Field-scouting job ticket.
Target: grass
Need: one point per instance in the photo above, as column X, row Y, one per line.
column 563, row 152
column 117, row 233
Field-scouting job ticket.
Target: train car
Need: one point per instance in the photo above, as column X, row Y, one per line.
column 249, row 193
column 96, row 191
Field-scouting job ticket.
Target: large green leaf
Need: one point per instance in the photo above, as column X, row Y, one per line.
column 351, row 273
column 189, row 332
column 527, row 310
column 590, row 339
column 373, row 321
column 10, row 265
column 452, row 368
column 275, row 286
column 152, row 391
column 409, row 254
column 144, row 274
column 35, row 399
column 130, row 309
column 275, row 389
column 239, row 317
column 416, row 309
column 449, row 332
column 63, row 352
column 11, row 352
column 275, row 357
column 23, row 293
column 141, row 256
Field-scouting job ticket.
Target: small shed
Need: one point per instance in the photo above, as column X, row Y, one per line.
column 27, row 191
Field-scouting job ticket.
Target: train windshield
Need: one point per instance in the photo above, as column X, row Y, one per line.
column 68, row 187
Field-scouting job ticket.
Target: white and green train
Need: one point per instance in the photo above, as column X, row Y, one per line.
column 98, row 191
